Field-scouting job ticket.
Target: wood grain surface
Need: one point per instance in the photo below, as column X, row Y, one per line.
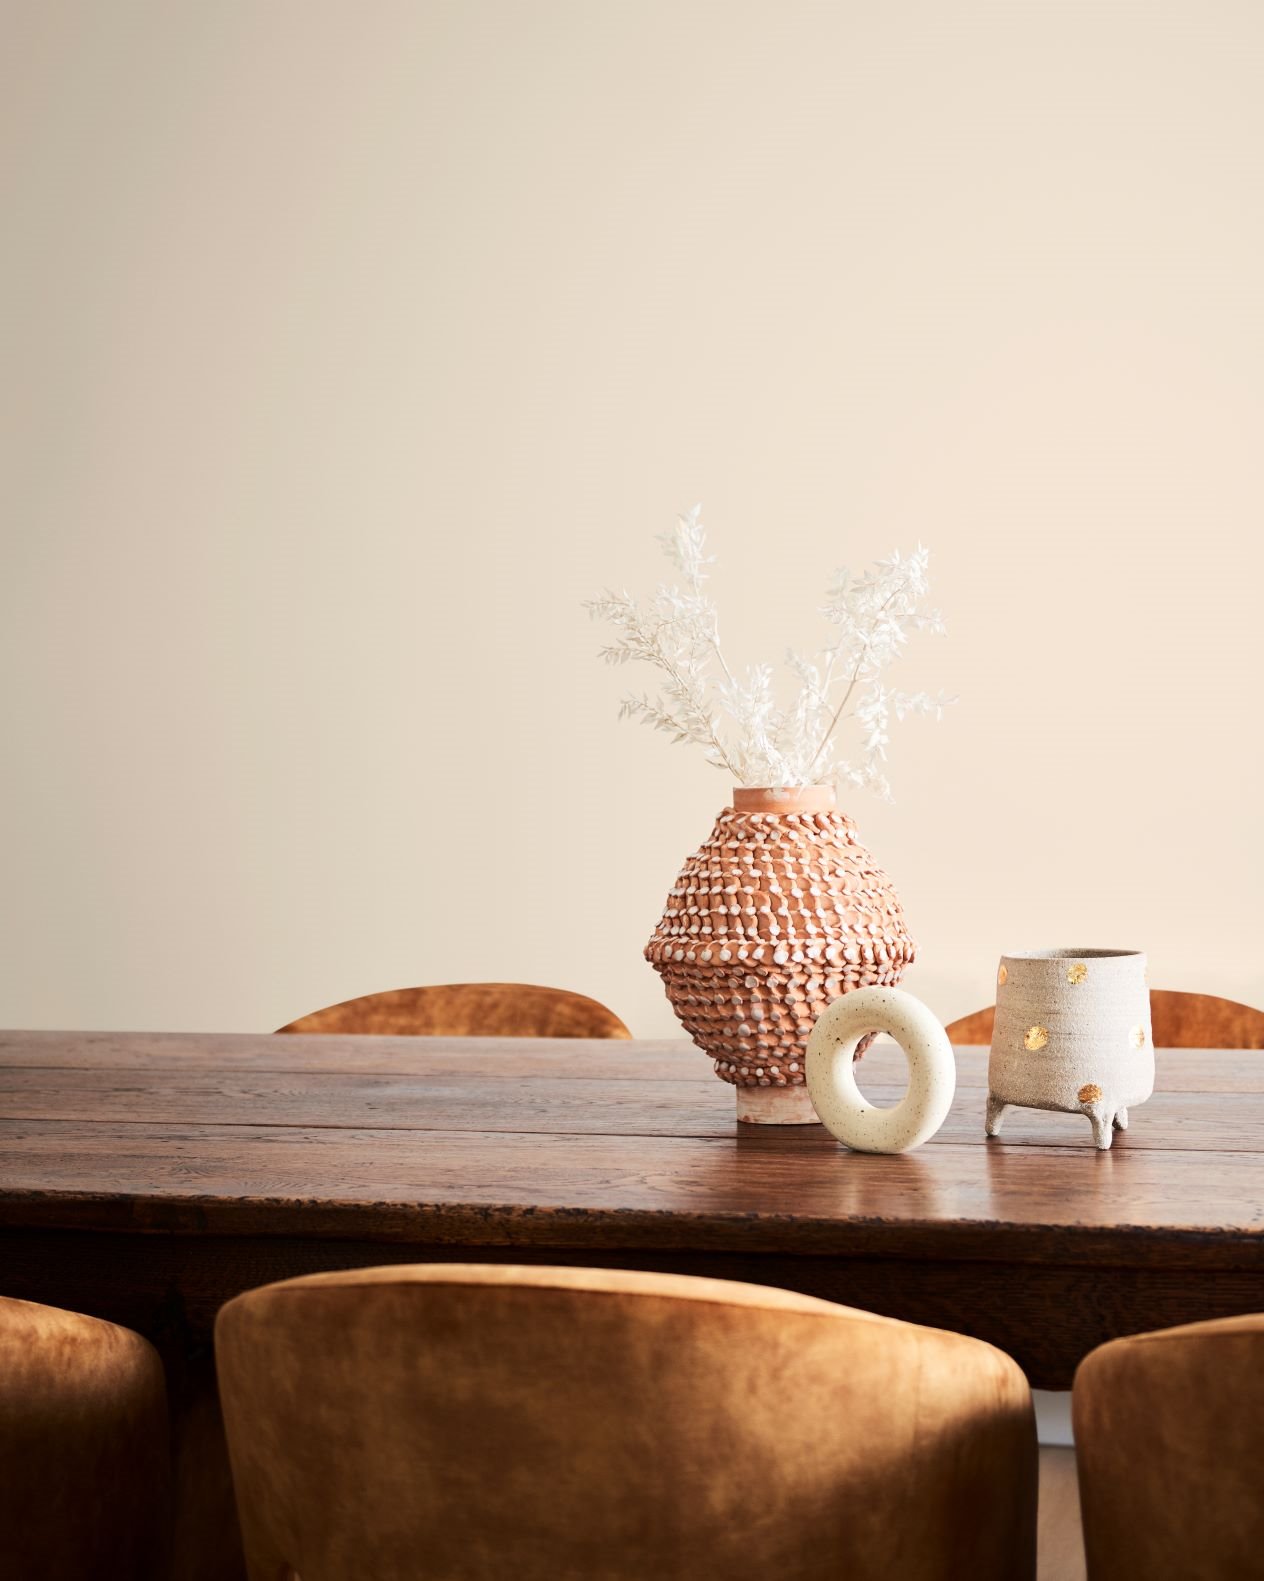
column 148, row 1177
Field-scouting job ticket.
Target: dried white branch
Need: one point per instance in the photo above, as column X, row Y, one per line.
column 738, row 722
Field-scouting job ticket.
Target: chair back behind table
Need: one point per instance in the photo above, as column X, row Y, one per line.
column 515, row 1010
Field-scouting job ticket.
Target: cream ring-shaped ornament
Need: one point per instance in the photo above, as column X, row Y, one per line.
column 843, row 1108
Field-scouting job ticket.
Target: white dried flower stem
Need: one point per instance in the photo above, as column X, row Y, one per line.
column 678, row 633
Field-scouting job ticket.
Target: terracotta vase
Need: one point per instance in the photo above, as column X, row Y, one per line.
column 776, row 915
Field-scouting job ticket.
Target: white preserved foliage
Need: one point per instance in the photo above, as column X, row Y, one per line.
column 737, row 719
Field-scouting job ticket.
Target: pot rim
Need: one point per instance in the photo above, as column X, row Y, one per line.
column 784, row 798
column 1092, row 954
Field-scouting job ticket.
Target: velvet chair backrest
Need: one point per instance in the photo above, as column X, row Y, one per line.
column 84, row 1462
column 472, row 1423
column 456, row 1010
column 1169, row 1436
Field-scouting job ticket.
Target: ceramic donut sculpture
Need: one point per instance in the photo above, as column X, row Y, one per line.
column 831, row 1078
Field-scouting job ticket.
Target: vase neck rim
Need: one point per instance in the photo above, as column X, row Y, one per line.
column 781, row 799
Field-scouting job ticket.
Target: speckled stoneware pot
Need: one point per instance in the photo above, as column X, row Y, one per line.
column 780, row 912
column 1072, row 1033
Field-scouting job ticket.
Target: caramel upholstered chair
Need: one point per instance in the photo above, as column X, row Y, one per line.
column 455, row 1010
column 1169, row 1430
column 83, row 1449
column 1181, row 1021
column 467, row 1423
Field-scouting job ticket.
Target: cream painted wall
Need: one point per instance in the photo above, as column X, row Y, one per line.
column 350, row 345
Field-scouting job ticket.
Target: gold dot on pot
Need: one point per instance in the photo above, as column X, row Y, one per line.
column 1077, row 972
column 1090, row 1092
column 1138, row 1037
column 1002, row 976
column 1036, row 1038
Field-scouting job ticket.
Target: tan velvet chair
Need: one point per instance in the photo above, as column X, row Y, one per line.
column 1169, row 1431
column 457, row 1010
column 1181, row 1021
column 83, row 1449
column 467, row 1423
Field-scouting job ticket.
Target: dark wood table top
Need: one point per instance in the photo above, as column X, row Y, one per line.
column 529, row 1142
column 545, row 1150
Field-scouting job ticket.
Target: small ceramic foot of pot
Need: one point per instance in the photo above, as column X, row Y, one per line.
column 995, row 1115
column 1103, row 1130
column 1121, row 1119
column 775, row 1106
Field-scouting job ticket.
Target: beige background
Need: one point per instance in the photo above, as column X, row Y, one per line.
column 350, row 345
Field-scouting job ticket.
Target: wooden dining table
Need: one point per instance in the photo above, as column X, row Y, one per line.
column 148, row 1177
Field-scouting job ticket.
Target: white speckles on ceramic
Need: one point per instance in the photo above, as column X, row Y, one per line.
column 1072, row 1033
column 841, row 1105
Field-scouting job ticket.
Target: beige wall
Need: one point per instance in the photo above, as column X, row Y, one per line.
column 351, row 345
